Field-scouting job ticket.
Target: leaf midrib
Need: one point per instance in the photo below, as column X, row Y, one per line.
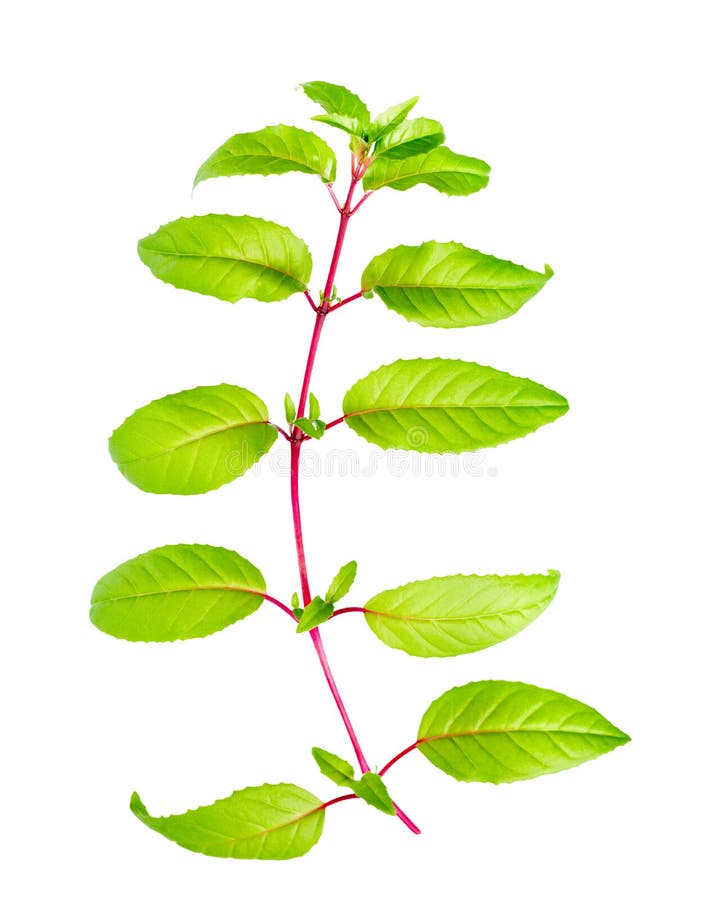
column 195, row 440
column 265, row 831
column 415, row 618
column 364, row 412
column 204, row 587
column 231, row 259
column 459, row 734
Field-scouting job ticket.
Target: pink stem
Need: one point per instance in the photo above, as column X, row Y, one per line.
column 335, row 422
column 398, row 756
column 295, row 450
column 280, row 605
column 347, row 300
column 339, row 800
column 347, row 609
column 360, row 203
column 311, row 301
column 335, row 199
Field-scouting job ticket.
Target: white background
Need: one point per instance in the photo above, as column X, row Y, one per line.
column 599, row 120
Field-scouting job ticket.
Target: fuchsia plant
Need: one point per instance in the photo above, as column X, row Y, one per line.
column 199, row 439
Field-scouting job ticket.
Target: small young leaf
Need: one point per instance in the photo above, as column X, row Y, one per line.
column 388, row 119
column 449, row 285
column 176, row 592
column 410, row 138
column 289, row 409
column 337, row 100
column 345, row 123
column 228, row 257
column 271, row 151
column 314, row 614
column 193, row 441
column 295, row 601
column 441, row 169
column 339, row 770
column 371, row 788
column 447, row 405
column 272, row 821
column 314, row 429
column 459, row 613
column 313, row 407
column 502, row 731
column 342, row 582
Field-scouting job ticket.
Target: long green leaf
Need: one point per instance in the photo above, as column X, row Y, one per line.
column 272, row 821
column 337, row 100
column 193, row 441
column 442, row 169
column 176, row 592
column 339, row 770
column 459, row 613
column 228, row 257
column 410, row 138
column 370, row 787
column 342, row 582
column 447, row 405
column 390, row 118
column 271, row 151
column 501, row 731
column 449, row 285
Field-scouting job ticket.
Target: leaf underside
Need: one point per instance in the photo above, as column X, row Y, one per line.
column 442, row 169
column 458, row 614
column 271, row 151
column 443, row 405
column 176, row 592
column 449, row 285
column 193, row 441
column 502, row 731
column 272, row 821
column 228, row 257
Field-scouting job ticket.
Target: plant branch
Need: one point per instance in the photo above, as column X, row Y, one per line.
column 280, row 605
column 347, row 609
column 347, row 300
column 335, row 199
column 295, row 452
column 398, row 756
column 360, row 203
column 311, row 301
column 335, row 422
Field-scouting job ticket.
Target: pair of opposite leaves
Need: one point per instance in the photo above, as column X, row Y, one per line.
column 183, row 444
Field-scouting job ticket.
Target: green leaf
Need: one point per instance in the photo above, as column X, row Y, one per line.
column 339, row 770
column 337, row 100
column 289, row 409
column 193, row 441
column 459, row 613
column 387, row 120
column 176, row 592
column 295, row 601
column 313, row 428
column 271, row 151
column 272, row 821
column 410, row 138
column 371, row 788
column 501, row 731
column 313, row 407
column 441, row 169
column 345, row 123
column 449, row 285
column 228, row 257
column 368, row 787
column 342, row 582
column 314, row 614
column 447, row 405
